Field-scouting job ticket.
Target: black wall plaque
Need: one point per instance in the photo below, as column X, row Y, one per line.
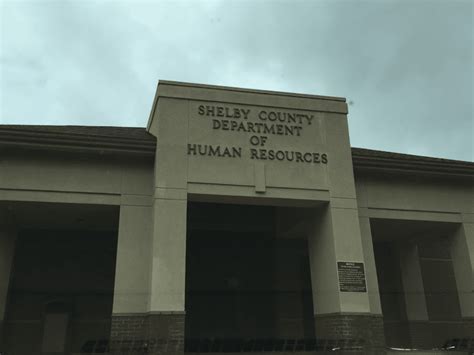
column 351, row 277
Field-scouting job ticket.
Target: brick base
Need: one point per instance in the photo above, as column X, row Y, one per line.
column 157, row 333
column 352, row 333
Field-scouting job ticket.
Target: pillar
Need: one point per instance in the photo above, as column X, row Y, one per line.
column 167, row 314
column 370, row 267
column 7, row 248
column 462, row 255
column 414, row 296
column 148, row 309
column 132, row 283
column 342, row 308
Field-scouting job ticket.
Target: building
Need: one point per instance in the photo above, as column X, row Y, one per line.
column 237, row 216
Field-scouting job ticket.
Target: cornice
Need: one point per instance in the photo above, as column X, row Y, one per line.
column 44, row 140
column 410, row 164
column 252, row 91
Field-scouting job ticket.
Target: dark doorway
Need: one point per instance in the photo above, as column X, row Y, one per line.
column 432, row 293
column 242, row 280
column 61, row 290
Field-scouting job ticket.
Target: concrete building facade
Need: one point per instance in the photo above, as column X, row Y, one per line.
column 238, row 220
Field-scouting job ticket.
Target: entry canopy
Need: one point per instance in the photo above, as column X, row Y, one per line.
column 215, row 140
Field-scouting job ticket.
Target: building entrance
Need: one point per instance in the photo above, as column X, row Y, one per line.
column 62, row 280
column 243, row 279
column 417, row 283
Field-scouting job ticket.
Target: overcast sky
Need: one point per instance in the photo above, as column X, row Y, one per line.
column 406, row 66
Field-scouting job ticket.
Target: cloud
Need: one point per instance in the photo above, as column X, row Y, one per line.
column 406, row 65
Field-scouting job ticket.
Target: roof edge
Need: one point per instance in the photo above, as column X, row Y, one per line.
column 248, row 90
column 381, row 161
column 27, row 137
column 107, row 140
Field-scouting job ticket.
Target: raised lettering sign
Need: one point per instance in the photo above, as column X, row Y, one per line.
column 259, row 125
